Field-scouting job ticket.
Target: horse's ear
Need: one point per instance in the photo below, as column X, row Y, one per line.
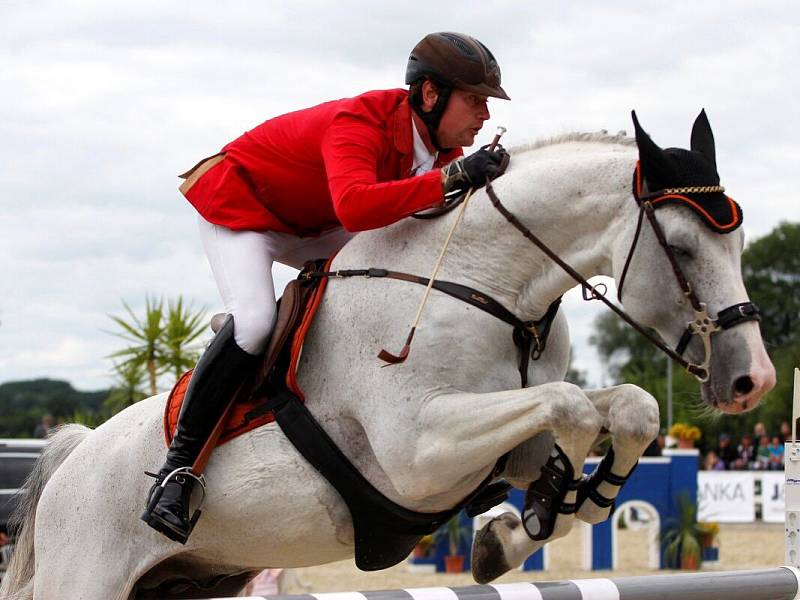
column 655, row 166
column 703, row 138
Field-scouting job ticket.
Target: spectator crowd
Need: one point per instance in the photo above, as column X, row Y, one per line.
column 758, row 451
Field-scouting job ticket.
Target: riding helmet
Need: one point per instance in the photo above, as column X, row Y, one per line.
column 456, row 60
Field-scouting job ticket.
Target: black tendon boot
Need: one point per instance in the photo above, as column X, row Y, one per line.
column 220, row 371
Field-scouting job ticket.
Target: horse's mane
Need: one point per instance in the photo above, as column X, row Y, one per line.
column 601, row 137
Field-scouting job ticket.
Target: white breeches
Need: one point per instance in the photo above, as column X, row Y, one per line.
column 242, row 265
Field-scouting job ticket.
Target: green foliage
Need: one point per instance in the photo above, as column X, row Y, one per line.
column 158, row 342
column 771, row 272
column 23, row 403
column 681, row 536
column 89, row 418
column 129, row 379
column 143, row 335
column 181, row 329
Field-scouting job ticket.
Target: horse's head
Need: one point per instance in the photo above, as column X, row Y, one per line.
column 683, row 267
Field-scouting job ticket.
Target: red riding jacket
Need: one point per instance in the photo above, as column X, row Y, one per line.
column 345, row 162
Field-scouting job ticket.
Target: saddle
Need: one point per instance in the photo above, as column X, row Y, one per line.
column 248, row 410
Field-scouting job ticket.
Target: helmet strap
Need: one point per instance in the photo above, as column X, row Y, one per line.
column 434, row 116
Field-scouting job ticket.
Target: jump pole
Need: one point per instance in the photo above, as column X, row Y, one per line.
column 766, row 584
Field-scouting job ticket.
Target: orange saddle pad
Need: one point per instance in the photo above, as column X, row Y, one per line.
column 248, row 411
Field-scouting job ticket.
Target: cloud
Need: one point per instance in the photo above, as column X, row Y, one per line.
column 102, row 104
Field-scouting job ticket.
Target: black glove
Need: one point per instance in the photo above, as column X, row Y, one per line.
column 472, row 171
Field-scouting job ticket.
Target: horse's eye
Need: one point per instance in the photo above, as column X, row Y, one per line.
column 680, row 253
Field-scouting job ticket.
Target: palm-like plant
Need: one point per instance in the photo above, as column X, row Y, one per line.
column 681, row 536
column 145, row 336
column 160, row 342
column 181, row 329
column 129, row 378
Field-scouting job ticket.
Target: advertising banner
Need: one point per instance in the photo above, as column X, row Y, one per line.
column 726, row 496
column 772, row 504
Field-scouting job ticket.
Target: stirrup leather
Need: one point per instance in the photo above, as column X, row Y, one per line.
column 544, row 500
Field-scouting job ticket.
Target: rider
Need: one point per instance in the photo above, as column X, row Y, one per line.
column 296, row 188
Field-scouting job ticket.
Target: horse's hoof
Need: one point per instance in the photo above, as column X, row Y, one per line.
column 488, row 556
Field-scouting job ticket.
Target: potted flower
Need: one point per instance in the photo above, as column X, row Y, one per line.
column 456, row 534
column 709, row 549
column 686, row 435
column 708, row 533
column 681, row 537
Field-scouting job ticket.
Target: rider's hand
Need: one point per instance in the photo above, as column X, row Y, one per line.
column 472, row 171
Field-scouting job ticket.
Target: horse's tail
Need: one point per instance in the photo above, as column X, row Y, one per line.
column 18, row 580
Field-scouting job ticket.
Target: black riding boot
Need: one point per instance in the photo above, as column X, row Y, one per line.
column 217, row 376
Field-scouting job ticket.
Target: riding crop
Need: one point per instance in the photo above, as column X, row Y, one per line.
column 392, row 359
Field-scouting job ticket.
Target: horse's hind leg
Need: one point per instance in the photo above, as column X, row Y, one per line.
column 631, row 417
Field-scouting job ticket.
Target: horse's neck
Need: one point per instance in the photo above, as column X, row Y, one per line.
column 574, row 199
column 576, row 204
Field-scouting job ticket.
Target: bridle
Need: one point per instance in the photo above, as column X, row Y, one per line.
column 702, row 325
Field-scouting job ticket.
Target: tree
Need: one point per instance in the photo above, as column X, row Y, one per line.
column 127, row 390
column 181, row 330
column 22, row 404
column 159, row 343
column 145, row 335
column 771, row 271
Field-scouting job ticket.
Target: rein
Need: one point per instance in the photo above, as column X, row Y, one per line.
column 529, row 336
column 702, row 324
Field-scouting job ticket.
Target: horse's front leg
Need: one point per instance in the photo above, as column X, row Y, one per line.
column 630, row 415
column 476, row 429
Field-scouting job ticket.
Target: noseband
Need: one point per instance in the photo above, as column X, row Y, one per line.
column 702, row 325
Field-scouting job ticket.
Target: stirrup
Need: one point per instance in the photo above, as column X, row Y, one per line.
column 156, row 521
column 544, row 500
column 201, row 479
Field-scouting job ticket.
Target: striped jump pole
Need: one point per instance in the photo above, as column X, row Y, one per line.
column 781, row 583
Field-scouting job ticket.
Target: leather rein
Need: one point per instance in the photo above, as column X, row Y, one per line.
column 529, row 336
column 702, row 325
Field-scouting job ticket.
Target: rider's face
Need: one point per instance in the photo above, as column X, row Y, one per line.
column 463, row 118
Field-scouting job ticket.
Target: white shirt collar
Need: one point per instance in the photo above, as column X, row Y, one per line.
column 423, row 159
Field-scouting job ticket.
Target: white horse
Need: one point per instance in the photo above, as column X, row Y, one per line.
column 425, row 433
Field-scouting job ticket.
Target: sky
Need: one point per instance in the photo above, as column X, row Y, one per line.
column 103, row 103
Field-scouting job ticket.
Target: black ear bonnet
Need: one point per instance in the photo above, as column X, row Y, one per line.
column 685, row 177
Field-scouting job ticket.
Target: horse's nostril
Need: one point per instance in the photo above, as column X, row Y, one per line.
column 743, row 385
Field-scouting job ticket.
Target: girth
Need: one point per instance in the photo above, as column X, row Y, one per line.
column 384, row 532
column 529, row 336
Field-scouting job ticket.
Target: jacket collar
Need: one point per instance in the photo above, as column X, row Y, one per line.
column 404, row 140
